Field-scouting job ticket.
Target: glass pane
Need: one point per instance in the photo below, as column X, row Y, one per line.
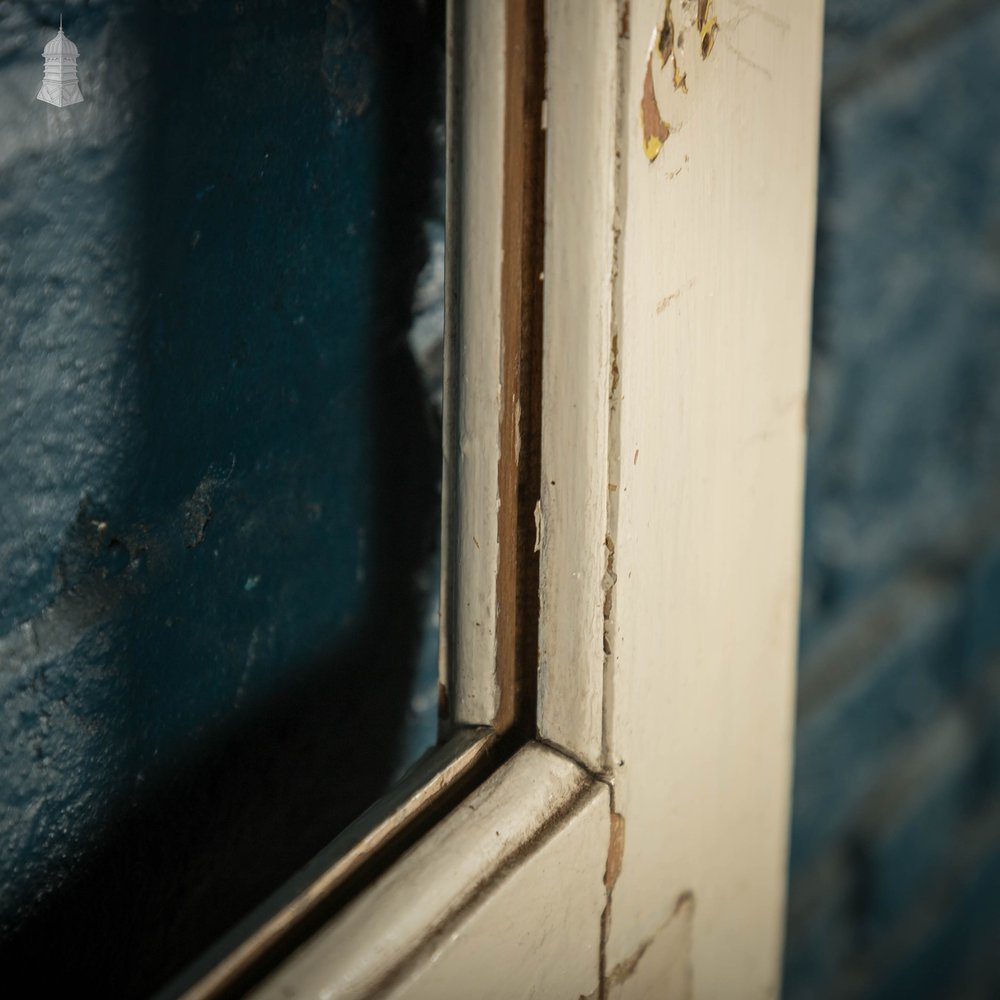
column 221, row 286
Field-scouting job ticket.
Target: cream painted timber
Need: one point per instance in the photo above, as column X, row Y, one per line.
column 660, row 965
column 712, row 310
column 581, row 98
column 536, row 830
column 474, row 201
column 429, row 778
column 698, row 318
column 524, row 937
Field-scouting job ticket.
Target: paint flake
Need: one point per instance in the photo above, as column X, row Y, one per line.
column 655, row 131
column 708, row 27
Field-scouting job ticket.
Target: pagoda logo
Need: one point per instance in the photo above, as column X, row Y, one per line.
column 60, row 85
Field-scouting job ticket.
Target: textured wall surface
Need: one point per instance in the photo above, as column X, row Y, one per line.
column 895, row 855
column 218, row 465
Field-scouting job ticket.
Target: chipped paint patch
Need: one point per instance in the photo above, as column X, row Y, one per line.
column 608, row 582
column 655, row 131
column 616, row 851
column 708, row 27
column 667, row 43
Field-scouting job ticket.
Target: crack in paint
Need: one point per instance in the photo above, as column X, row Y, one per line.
column 683, row 914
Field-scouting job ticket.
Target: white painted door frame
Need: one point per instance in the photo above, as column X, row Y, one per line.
column 637, row 847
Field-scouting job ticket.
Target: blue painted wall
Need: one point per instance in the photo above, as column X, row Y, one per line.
column 218, row 462
column 895, row 853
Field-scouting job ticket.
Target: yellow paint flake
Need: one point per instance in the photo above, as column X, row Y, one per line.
column 667, row 46
column 708, row 27
column 680, row 79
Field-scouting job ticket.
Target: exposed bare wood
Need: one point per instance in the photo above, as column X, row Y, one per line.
column 521, row 361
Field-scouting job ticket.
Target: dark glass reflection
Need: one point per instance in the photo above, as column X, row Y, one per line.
column 219, row 460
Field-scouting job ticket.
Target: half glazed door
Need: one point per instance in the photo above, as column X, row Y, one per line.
column 635, row 844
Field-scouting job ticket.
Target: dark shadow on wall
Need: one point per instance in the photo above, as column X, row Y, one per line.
column 290, row 469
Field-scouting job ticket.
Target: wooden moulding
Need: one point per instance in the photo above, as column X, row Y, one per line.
column 493, row 364
column 472, row 361
column 455, row 902
column 578, row 450
column 431, row 789
column 493, row 337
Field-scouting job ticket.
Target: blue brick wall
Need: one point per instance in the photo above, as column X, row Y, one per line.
column 218, row 465
column 895, row 852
